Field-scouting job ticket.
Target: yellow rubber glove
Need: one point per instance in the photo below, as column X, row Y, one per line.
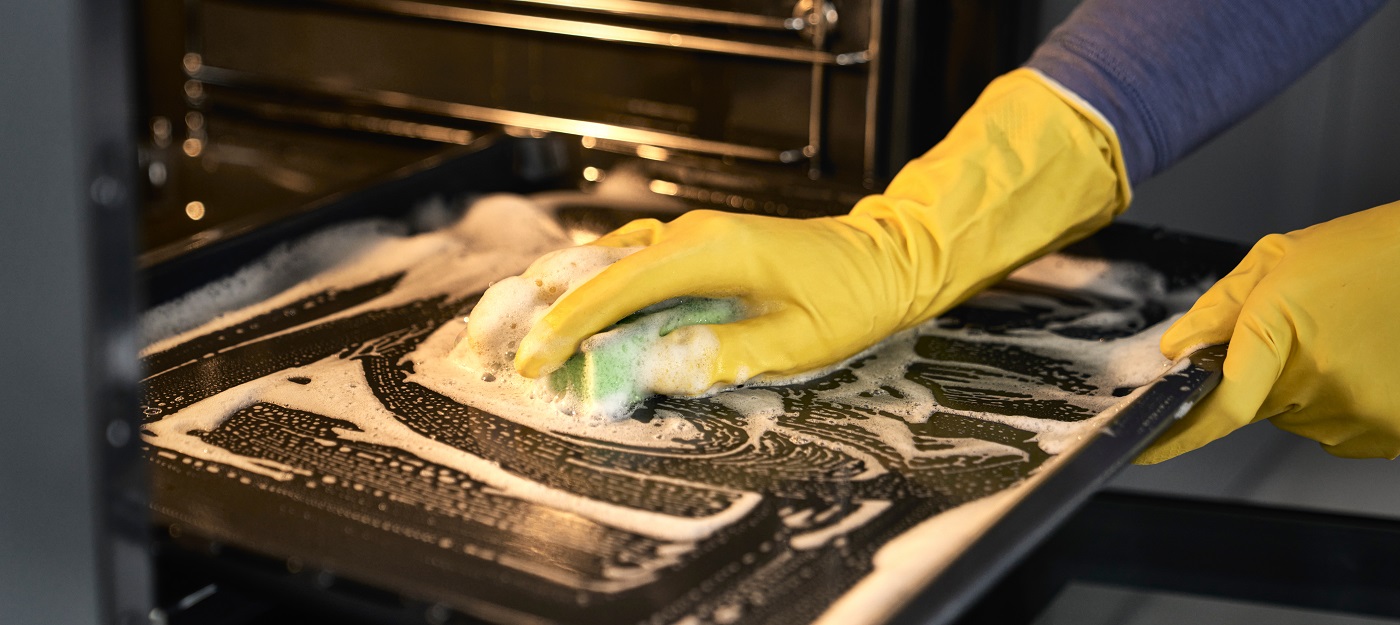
column 1313, row 322
column 1026, row 170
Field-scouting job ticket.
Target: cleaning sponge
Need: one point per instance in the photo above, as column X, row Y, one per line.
column 657, row 350
column 617, row 369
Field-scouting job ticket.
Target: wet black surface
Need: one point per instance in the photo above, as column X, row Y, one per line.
column 388, row 517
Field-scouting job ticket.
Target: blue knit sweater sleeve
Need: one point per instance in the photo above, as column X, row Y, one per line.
column 1171, row 74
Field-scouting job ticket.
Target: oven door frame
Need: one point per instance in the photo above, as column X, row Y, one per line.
column 75, row 515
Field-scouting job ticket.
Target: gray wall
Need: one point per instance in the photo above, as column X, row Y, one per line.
column 1328, row 146
column 48, row 556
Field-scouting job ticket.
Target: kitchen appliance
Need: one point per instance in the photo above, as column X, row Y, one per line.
column 267, row 121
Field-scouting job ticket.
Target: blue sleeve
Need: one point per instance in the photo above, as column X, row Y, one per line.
column 1171, row 74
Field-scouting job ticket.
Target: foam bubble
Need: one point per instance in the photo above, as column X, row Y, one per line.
column 509, row 222
column 511, row 306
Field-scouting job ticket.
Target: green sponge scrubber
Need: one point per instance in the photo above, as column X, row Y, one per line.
column 607, row 376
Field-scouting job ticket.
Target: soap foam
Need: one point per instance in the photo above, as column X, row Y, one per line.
column 446, row 262
column 511, row 306
column 657, row 351
column 1126, row 281
column 879, row 386
column 337, row 387
column 459, row 262
column 282, row 268
column 678, row 364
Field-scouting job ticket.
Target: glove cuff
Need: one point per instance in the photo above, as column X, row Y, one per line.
column 1095, row 119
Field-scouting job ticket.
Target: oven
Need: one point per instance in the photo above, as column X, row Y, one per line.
column 260, row 124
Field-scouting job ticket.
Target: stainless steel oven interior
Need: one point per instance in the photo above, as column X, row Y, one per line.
column 254, row 111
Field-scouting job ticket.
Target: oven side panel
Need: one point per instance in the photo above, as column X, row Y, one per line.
column 73, row 522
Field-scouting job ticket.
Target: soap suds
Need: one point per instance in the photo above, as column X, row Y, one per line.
column 469, row 256
column 677, row 365
column 511, row 306
column 661, row 350
column 864, row 512
column 338, row 387
column 877, row 387
column 279, row 270
column 916, row 557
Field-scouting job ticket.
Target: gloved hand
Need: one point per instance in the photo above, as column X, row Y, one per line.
column 1313, row 322
column 1027, row 169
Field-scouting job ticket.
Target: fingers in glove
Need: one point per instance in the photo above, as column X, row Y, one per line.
column 636, row 233
column 652, row 275
column 1252, row 366
column 1212, row 319
column 700, row 356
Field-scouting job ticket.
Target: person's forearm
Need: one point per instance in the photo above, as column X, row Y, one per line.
column 1170, row 75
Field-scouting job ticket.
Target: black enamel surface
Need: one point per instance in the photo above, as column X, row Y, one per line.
column 389, row 518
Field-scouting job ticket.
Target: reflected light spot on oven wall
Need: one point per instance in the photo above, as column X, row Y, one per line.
column 663, row 187
column 195, row 210
column 582, row 236
column 160, row 131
